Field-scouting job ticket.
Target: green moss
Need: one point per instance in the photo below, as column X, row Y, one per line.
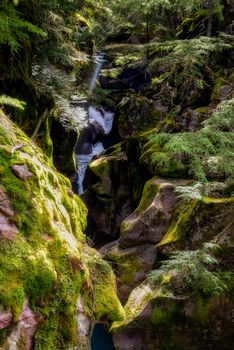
column 219, row 82
column 208, row 200
column 48, row 262
column 137, row 301
column 100, row 166
column 106, row 304
column 203, row 110
column 159, row 317
column 202, row 309
column 179, row 225
column 46, row 143
column 149, row 192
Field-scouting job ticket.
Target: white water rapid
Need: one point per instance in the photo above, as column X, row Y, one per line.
column 105, row 120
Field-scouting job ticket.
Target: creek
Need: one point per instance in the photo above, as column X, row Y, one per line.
column 93, row 140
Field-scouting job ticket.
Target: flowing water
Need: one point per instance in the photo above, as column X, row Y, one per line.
column 101, row 339
column 105, row 119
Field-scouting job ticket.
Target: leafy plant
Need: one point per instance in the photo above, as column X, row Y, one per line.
column 10, row 101
column 208, row 152
column 14, row 30
column 188, row 272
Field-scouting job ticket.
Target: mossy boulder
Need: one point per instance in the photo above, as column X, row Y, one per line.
column 156, row 320
column 151, row 219
column 131, row 265
column 198, row 221
column 185, row 302
column 45, row 263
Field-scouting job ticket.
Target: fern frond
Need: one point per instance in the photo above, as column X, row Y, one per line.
column 11, row 101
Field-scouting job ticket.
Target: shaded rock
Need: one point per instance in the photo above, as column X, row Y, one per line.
column 88, row 136
column 5, row 319
column 22, row 171
column 164, row 321
column 152, row 218
column 196, row 222
column 131, row 265
column 135, row 78
column 64, row 141
column 108, row 195
column 138, row 113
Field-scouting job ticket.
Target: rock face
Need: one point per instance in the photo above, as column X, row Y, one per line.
column 165, row 313
column 24, row 331
column 132, row 265
column 53, row 286
column 108, row 195
column 168, row 322
column 152, row 218
column 21, row 171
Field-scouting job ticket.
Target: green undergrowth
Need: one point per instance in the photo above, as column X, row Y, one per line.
column 48, row 261
column 184, row 61
column 188, row 273
column 208, row 152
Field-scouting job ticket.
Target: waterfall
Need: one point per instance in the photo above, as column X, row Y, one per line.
column 99, row 63
column 97, row 115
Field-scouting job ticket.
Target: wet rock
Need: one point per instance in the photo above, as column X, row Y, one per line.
column 22, row 171
column 88, row 136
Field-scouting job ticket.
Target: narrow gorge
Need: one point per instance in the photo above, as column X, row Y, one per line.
column 116, row 175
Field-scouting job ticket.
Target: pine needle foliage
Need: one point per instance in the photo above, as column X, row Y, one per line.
column 208, row 152
column 14, row 30
column 11, row 101
column 182, row 62
column 188, row 272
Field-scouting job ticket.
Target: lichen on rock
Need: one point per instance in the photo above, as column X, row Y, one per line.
column 46, row 265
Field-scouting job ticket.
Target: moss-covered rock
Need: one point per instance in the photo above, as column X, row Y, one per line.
column 131, row 265
column 196, row 222
column 152, row 218
column 47, row 260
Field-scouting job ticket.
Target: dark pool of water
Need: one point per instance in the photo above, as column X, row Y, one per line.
column 101, row 339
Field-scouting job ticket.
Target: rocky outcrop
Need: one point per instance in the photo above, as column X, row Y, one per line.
column 167, row 322
column 174, row 308
column 108, row 195
column 131, row 265
column 151, row 219
column 53, row 285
